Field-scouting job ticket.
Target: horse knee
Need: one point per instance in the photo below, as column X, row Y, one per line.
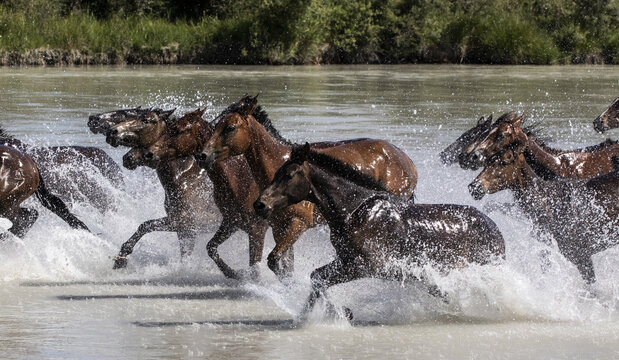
column 273, row 262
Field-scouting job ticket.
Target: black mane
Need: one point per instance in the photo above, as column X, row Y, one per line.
column 337, row 167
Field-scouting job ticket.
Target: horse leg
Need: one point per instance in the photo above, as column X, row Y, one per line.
column 335, row 272
column 187, row 242
column 23, row 221
column 222, row 234
column 284, row 238
column 162, row 224
column 585, row 266
column 256, row 245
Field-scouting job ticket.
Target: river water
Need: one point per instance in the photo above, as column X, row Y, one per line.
column 60, row 298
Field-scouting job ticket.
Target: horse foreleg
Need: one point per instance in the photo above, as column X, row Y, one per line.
column 284, row 238
column 256, row 242
column 585, row 266
column 162, row 224
column 23, row 221
column 222, row 234
column 335, row 272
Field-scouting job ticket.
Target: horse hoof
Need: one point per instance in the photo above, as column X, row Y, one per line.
column 120, row 262
column 347, row 313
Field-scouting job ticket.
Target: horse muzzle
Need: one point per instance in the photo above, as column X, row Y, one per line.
column 206, row 160
column 477, row 190
column 262, row 209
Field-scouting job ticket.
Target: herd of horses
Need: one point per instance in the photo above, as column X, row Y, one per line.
column 362, row 189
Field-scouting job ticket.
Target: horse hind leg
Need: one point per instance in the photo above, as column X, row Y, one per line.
column 162, row 224
column 23, row 221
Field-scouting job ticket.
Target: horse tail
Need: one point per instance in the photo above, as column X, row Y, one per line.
column 57, row 206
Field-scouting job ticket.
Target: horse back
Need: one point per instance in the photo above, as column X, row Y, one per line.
column 19, row 177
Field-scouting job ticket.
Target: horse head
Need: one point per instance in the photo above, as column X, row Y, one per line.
column 505, row 133
column 502, row 173
column 290, row 185
column 232, row 135
column 140, row 131
column 182, row 137
column 609, row 119
column 450, row 154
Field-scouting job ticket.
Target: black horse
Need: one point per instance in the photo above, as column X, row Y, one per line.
column 370, row 228
column 450, row 154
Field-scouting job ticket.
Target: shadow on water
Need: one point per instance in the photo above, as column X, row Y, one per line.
column 140, row 282
column 285, row 324
column 224, row 294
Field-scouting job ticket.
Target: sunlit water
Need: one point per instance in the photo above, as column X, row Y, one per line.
column 60, row 298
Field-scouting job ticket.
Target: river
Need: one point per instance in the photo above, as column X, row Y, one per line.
column 60, row 298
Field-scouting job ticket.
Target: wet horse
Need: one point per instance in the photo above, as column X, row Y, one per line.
column 449, row 155
column 19, row 179
column 372, row 229
column 507, row 132
column 184, row 183
column 609, row 119
column 64, row 169
column 239, row 133
column 103, row 122
column 581, row 215
column 234, row 188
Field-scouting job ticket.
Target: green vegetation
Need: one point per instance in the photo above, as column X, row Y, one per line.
column 309, row 31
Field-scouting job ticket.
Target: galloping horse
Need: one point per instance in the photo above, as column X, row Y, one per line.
column 19, row 179
column 609, row 119
column 450, row 154
column 184, row 183
column 234, row 188
column 239, row 133
column 507, row 132
column 75, row 159
column 582, row 215
column 371, row 228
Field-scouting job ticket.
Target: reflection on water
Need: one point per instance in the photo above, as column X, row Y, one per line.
column 59, row 297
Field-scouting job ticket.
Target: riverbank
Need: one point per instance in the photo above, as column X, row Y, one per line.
column 309, row 32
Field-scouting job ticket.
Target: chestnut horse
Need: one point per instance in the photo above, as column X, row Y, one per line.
column 19, row 179
column 372, row 230
column 450, row 154
column 239, row 133
column 75, row 159
column 234, row 188
column 507, row 132
column 581, row 215
column 184, row 184
column 609, row 119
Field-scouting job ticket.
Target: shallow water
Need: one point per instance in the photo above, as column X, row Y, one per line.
column 59, row 297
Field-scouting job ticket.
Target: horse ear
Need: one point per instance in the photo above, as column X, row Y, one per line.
column 201, row 112
column 518, row 120
column 167, row 113
column 481, row 120
column 249, row 109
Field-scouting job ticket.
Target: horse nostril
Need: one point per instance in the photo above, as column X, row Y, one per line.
column 113, row 132
column 148, row 156
column 203, row 157
column 259, row 205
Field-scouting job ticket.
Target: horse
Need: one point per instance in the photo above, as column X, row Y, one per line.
column 581, row 215
column 19, row 179
column 239, row 133
column 609, row 119
column 103, row 122
column 234, row 188
column 507, row 132
column 449, row 155
column 371, row 228
column 75, row 159
column 184, row 184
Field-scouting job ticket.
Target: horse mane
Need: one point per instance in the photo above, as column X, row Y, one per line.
column 4, row 134
column 337, row 167
column 263, row 118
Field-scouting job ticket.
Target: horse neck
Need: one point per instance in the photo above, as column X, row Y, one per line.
column 542, row 156
column 173, row 174
column 336, row 197
column 265, row 155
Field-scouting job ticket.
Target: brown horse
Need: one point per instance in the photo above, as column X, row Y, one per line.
column 450, row 154
column 184, row 183
column 102, row 123
column 581, row 215
column 507, row 132
column 239, row 133
column 234, row 188
column 609, row 119
column 19, row 179
column 74, row 160
column 372, row 229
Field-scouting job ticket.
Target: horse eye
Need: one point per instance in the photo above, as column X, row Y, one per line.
column 144, row 121
column 503, row 163
column 229, row 129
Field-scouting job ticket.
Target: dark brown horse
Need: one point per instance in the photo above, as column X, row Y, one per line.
column 19, row 179
column 234, row 188
column 184, row 183
column 372, row 229
column 609, row 119
column 65, row 170
column 450, row 154
column 102, row 123
column 239, row 133
column 581, row 215
column 507, row 132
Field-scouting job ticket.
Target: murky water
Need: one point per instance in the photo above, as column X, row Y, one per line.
column 59, row 297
